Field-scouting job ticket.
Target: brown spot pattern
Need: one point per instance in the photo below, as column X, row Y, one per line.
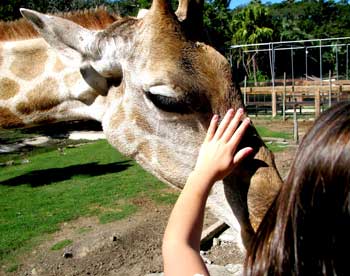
column 8, row 88
column 8, row 119
column 118, row 119
column 145, row 149
column 1, row 57
column 71, row 79
column 59, row 66
column 41, row 98
column 141, row 122
column 129, row 136
column 29, row 63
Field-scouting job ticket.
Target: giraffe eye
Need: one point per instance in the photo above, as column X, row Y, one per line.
column 168, row 100
column 169, row 104
column 163, row 90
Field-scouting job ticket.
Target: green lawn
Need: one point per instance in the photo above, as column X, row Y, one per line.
column 273, row 145
column 58, row 186
column 265, row 132
column 92, row 179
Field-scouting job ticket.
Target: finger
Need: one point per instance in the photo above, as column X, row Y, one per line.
column 230, row 130
column 237, row 136
column 212, row 127
column 224, row 123
column 242, row 154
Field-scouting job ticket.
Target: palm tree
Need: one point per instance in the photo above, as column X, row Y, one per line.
column 249, row 26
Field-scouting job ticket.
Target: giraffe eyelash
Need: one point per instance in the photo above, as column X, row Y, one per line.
column 189, row 103
column 169, row 104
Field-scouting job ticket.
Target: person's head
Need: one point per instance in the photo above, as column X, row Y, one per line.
column 307, row 229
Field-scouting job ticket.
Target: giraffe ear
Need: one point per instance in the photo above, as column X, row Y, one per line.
column 70, row 39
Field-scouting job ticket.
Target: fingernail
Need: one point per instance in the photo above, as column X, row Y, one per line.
column 240, row 110
column 215, row 117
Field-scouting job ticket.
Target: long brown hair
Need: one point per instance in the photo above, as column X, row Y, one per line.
column 307, row 228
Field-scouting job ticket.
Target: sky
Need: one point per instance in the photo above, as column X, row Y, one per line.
column 235, row 3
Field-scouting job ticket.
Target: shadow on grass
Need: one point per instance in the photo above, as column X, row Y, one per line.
column 61, row 130
column 49, row 176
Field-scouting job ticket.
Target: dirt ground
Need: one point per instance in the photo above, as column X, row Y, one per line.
column 131, row 246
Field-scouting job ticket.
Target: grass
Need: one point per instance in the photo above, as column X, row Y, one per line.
column 58, row 186
column 265, row 132
column 275, row 147
column 54, row 187
column 61, row 244
column 124, row 212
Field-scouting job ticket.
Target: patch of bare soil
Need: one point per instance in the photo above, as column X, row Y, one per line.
column 128, row 247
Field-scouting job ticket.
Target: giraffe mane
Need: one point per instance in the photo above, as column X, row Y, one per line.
column 95, row 19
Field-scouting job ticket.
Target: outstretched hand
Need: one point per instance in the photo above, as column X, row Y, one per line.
column 217, row 156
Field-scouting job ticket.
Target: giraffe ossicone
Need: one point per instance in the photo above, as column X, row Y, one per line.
column 170, row 87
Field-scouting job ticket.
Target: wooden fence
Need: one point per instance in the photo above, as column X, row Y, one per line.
column 285, row 95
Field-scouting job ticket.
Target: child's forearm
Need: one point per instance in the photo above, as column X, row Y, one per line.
column 182, row 236
column 186, row 220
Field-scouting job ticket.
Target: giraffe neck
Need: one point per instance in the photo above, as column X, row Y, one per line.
column 37, row 87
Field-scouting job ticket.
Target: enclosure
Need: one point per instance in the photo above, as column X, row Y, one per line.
column 308, row 75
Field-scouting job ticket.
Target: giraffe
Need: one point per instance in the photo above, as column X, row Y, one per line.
column 36, row 85
column 170, row 86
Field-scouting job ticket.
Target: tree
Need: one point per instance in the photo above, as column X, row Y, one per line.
column 217, row 17
column 251, row 25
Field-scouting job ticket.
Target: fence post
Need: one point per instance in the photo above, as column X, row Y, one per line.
column 295, row 125
column 330, row 90
column 274, row 102
column 245, row 91
column 340, row 91
column 284, row 97
column 317, row 102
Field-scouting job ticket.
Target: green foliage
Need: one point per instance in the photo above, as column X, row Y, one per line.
column 310, row 19
column 260, row 77
column 216, row 19
column 251, row 25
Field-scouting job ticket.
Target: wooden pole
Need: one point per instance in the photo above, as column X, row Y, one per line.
column 284, row 97
column 295, row 125
column 317, row 102
column 245, row 91
column 340, row 91
column 330, row 90
column 274, row 102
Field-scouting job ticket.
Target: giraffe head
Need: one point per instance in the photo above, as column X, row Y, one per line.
column 170, row 86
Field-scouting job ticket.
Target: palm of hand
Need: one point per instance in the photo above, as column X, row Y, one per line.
column 217, row 156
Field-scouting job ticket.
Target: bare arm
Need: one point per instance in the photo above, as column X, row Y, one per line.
column 217, row 158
